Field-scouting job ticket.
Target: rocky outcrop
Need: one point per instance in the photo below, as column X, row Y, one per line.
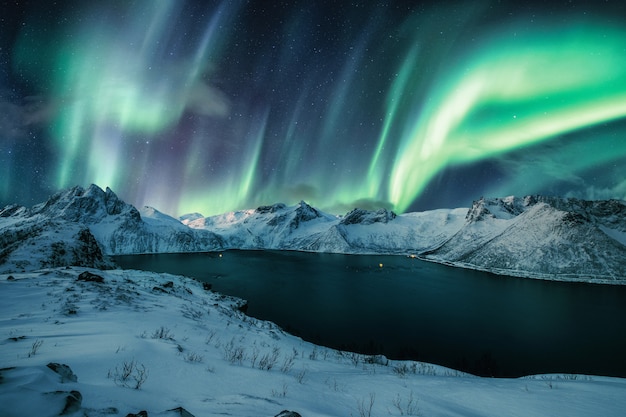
column 50, row 390
column 287, row 413
column 64, row 371
column 360, row 216
column 142, row 413
column 270, row 209
column 291, row 219
column 73, row 401
column 87, row 276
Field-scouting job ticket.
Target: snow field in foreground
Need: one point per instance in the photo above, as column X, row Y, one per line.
column 187, row 347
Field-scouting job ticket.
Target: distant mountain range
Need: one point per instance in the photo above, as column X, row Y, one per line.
column 535, row 236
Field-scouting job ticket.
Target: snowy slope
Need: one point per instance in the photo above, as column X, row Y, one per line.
column 541, row 237
column 386, row 232
column 81, row 226
column 190, row 352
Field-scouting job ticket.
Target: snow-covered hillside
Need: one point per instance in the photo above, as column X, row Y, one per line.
column 541, row 237
column 83, row 342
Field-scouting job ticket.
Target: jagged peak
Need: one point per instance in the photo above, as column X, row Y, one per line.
column 485, row 208
column 362, row 216
column 109, row 193
column 511, row 206
column 307, row 212
column 93, row 188
column 77, row 203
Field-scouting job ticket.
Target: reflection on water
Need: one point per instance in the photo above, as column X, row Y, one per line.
column 410, row 309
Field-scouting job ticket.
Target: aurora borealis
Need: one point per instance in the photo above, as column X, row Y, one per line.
column 217, row 106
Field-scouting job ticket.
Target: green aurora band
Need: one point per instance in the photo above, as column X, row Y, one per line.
column 513, row 88
column 513, row 92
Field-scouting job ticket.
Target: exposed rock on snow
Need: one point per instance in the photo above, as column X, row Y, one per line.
column 90, row 277
column 73, row 400
column 287, row 413
column 179, row 412
column 270, row 209
column 360, row 216
column 64, row 371
column 142, row 413
column 30, row 391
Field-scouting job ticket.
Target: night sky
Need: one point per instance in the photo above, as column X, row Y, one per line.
column 214, row 106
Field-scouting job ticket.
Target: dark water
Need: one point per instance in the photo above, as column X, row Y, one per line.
column 411, row 309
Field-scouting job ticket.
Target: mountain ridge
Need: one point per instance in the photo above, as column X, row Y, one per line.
column 533, row 236
column 563, row 237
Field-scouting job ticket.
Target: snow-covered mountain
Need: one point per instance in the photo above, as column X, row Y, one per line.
column 82, row 226
column 542, row 237
column 534, row 236
column 267, row 227
column 302, row 227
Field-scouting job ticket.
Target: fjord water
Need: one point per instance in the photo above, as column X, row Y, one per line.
column 411, row 309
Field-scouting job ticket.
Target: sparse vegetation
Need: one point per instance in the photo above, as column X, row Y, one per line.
column 407, row 406
column 35, row 347
column 129, row 375
column 210, row 336
column 269, row 360
column 193, row 357
column 288, row 362
column 163, row 333
column 404, row 369
column 420, row 368
column 192, row 313
column 280, row 393
column 334, row 385
column 254, row 356
column 234, row 354
column 300, row 376
column 365, row 405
